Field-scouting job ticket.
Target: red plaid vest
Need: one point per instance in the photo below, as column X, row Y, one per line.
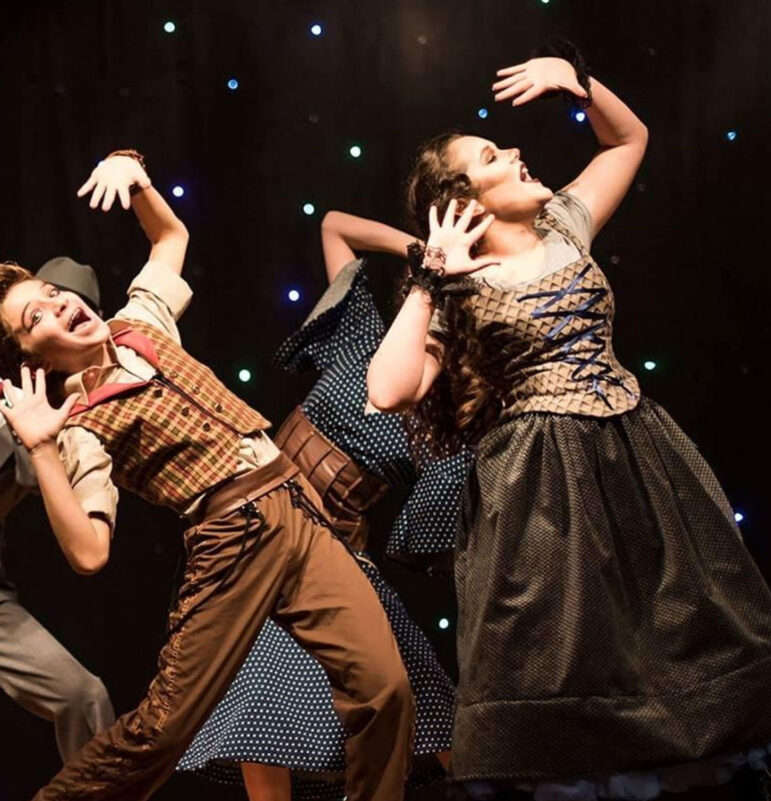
column 175, row 436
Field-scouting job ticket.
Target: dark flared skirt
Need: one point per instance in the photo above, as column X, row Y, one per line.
column 611, row 618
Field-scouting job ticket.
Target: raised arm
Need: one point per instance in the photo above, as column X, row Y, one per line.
column 342, row 234
column 115, row 177
column 84, row 540
column 621, row 135
column 409, row 359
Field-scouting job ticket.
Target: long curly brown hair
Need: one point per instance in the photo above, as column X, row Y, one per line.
column 11, row 354
column 465, row 400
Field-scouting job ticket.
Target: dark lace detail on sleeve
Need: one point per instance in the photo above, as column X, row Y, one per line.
column 590, row 366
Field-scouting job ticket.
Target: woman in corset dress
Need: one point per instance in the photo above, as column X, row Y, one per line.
column 276, row 727
column 614, row 635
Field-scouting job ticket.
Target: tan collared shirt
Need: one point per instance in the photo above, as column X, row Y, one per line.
column 157, row 296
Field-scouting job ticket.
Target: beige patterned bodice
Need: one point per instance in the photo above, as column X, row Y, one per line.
column 552, row 340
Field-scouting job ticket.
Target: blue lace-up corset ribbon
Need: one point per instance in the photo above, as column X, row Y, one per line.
column 553, row 341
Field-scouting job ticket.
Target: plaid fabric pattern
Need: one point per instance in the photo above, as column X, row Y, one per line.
column 553, row 342
column 174, row 438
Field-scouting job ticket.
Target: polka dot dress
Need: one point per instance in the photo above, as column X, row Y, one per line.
column 339, row 339
column 278, row 710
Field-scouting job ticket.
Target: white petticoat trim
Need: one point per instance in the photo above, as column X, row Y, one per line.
column 642, row 786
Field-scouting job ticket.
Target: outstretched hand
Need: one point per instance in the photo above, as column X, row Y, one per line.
column 453, row 240
column 524, row 82
column 114, row 176
column 32, row 418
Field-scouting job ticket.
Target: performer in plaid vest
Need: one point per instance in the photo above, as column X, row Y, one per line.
column 141, row 413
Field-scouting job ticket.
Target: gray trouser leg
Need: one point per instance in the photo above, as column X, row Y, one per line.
column 44, row 678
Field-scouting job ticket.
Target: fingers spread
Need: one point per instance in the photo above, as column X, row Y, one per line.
column 109, row 197
column 40, row 381
column 433, row 218
column 468, row 213
column 512, row 70
column 87, row 186
column 530, row 94
column 478, row 231
column 97, row 195
column 26, row 381
column 449, row 215
column 517, row 88
column 125, row 196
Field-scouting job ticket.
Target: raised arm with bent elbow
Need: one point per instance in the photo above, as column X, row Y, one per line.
column 119, row 175
column 409, row 359
column 342, row 234
column 84, row 540
column 622, row 136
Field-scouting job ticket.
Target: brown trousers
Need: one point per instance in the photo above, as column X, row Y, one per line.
column 264, row 557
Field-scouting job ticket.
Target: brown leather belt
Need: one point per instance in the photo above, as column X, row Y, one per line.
column 241, row 489
column 346, row 489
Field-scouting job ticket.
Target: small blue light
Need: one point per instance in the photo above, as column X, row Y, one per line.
column 316, row 29
column 545, row 2
column 233, row 84
column 482, row 113
column 738, row 517
column 178, row 191
column 444, row 623
column 309, row 208
column 649, row 365
column 355, row 151
column 580, row 116
column 730, row 136
column 244, row 375
column 293, row 295
column 169, row 27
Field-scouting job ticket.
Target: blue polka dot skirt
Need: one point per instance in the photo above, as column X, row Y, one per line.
column 278, row 711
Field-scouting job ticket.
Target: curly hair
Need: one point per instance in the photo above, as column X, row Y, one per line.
column 11, row 354
column 465, row 400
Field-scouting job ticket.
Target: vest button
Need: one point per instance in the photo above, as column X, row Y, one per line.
column 206, row 427
column 218, row 407
column 196, row 390
column 173, row 374
column 158, row 392
column 185, row 411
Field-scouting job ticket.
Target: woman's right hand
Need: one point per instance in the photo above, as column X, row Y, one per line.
column 32, row 418
column 450, row 242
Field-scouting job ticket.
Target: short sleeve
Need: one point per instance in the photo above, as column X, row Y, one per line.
column 345, row 323
column 157, row 296
column 572, row 212
column 88, row 467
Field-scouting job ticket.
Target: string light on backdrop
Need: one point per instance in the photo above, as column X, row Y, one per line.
column 649, row 365
column 293, row 295
column 444, row 623
column 355, row 151
column 308, row 209
column 316, row 29
column 233, row 84
column 730, row 136
column 169, row 27
column 738, row 517
column 244, row 375
column 178, row 191
column 579, row 116
column 482, row 113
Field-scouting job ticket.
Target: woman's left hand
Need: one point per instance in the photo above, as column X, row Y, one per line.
column 524, row 82
column 114, row 176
